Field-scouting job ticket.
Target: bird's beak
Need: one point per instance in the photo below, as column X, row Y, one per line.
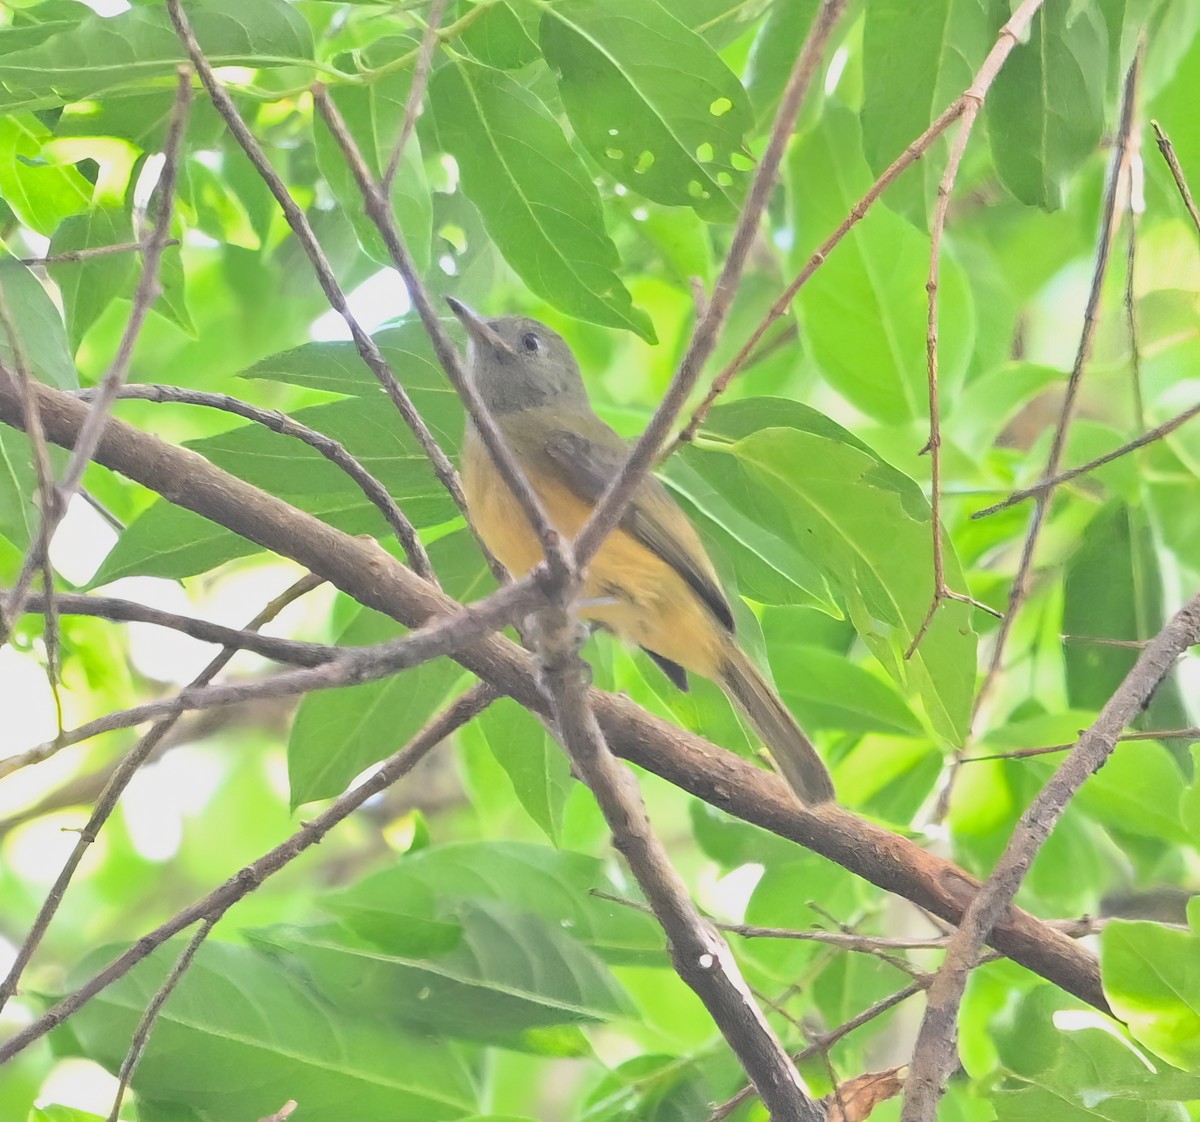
column 477, row 327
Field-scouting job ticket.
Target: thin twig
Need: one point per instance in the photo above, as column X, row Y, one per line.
column 353, row 666
column 47, row 498
column 1135, row 205
column 1165, row 429
column 750, row 349
column 117, row 783
column 334, row 452
column 144, row 296
column 1110, row 216
column 367, row 348
column 290, row 651
column 379, row 210
column 701, row 958
column 141, row 1034
column 1009, row 35
column 453, row 717
column 76, row 256
column 1051, row 749
column 695, row 765
column 934, row 1054
column 825, row 1042
column 972, row 100
column 644, row 454
column 416, row 91
column 1168, row 152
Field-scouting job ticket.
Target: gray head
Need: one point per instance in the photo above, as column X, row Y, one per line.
column 518, row 363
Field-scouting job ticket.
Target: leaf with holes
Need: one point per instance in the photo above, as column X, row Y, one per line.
column 652, row 101
column 537, row 199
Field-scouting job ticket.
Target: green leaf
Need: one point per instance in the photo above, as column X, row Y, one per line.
column 669, row 133
column 864, row 311
column 89, row 286
column 242, row 1034
column 374, row 115
column 537, row 199
column 536, row 765
column 1045, row 111
column 337, row 733
column 105, row 52
column 1113, row 589
column 39, row 327
column 651, row 1088
column 1151, row 978
column 18, row 484
column 825, row 690
column 425, row 888
column 871, row 537
column 769, row 568
column 41, row 193
column 499, row 39
column 930, row 51
column 167, row 541
column 774, row 53
column 337, row 367
column 1092, row 1075
column 56, row 1113
column 508, row 976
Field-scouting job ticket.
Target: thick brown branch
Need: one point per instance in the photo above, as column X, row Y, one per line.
column 701, row 957
column 934, row 1054
column 719, row 777
column 145, row 294
column 334, row 452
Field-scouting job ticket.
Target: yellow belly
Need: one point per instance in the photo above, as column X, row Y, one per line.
column 629, row 589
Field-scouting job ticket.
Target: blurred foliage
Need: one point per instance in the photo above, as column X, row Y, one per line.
column 443, row 955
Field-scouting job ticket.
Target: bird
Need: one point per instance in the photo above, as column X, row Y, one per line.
column 651, row 582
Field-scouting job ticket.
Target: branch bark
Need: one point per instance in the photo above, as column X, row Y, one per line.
column 719, row 777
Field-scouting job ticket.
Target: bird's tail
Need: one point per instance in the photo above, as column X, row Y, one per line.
column 792, row 750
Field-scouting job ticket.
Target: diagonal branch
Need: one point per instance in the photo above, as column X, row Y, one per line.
column 1165, row 429
column 445, row 635
column 1168, row 153
column 934, row 1054
column 1109, row 219
column 367, row 348
column 453, row 717
column 726, row 781
column 700, row 955
column 144, row 295
column 291, row 651
column 380, row 212
column 334, row 452
column 644, row 453
column 117, row 783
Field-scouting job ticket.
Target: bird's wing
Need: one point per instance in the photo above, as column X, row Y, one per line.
column 586, row 456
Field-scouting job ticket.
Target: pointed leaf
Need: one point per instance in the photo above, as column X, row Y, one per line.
column 536, row 197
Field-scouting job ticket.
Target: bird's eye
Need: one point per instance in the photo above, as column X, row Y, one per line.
column 531, row 342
